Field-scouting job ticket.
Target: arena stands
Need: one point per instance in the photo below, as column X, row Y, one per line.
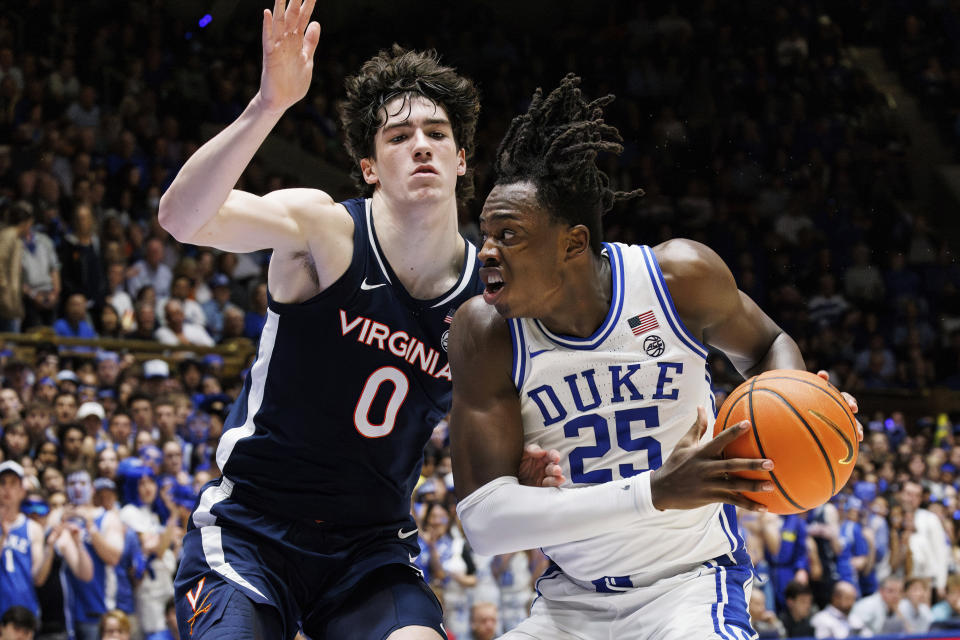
column 747, row 123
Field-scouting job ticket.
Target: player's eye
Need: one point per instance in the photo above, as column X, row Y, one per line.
column 438, row 134
column 399, row 138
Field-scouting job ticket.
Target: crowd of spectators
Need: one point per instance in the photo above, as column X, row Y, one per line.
column 920, row 42
column 743, row 121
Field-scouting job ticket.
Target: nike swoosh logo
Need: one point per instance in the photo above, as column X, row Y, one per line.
column 534, row 354
column 413, row 559
column 848, row 458
column 405, row 534
column 367, row 287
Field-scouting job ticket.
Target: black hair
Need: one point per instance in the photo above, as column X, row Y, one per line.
column 796, row 588
column 119, row 412
column 138, row 395
column 554, row 145
column 70, row 426
column 65, row 393
column 399, row 73
column 20, row 618
column 20, row 212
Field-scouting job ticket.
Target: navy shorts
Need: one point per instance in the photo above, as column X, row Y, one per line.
column 333, row 582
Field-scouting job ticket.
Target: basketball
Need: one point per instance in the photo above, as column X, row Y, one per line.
column 802, row 423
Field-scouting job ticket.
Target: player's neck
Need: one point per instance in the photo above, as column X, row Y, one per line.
column 586, row 300
column 422, row 244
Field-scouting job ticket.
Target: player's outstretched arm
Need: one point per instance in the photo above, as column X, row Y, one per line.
column 201, row 207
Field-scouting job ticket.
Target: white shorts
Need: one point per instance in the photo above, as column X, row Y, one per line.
column 706, row 603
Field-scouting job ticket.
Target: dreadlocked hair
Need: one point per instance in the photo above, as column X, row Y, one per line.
column 399, row 73
column 554, row 145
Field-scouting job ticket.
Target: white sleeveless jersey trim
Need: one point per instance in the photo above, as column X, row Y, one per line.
column 258, row 380
column 520, row 354
column 368, row 209
column 666, row 303
column 612, row 251
column 211, row 535
column 465, row 275
column 615, row 405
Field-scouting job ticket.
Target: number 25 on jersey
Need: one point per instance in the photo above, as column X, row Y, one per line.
column 624, row 420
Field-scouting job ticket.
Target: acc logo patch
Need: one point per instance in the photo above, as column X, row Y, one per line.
column 654, row 346
column 443, row 339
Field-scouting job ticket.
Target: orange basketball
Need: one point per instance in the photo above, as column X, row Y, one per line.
column 802, row 423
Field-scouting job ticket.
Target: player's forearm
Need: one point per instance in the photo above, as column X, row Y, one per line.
column 206, row 179
column 782, row 354
column 503, row 517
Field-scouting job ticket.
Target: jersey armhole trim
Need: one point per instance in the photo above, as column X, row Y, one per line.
column 666, row 304
column 349, row 280
column 617, row 296
column 519, row 369
column 469, row 257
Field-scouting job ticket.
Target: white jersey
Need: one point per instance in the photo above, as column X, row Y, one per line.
column 615, row 404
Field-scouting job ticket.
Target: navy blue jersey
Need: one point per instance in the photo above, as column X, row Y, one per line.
column 344, row 394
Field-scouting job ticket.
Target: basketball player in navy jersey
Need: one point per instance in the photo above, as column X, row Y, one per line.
column 310, row 525
column 598, row 350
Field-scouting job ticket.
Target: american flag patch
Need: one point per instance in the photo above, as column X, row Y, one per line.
column 642, row 323
column 449, row 317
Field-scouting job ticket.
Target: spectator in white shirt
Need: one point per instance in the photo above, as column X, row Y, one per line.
column 179, row 332
column 84, row 111
column 915, row 607
column 929, row 548
column 837, row 620
column 192, row 311
column 151, row 270
column 881, row 610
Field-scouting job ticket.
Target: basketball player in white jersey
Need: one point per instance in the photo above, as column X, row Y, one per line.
column 597, row 350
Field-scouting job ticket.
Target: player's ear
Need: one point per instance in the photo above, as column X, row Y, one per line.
column 461, row 162
column 577, row 242
column 369, row 170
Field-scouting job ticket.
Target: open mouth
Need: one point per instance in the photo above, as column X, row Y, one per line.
column 425, row 170
column 493, row 281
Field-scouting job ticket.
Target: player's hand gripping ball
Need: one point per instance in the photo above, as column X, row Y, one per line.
column 802, row 423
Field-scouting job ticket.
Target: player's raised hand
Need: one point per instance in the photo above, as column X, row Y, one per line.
column 540, row 468
column 851, row 402
column 289, row 41
column 696, row 474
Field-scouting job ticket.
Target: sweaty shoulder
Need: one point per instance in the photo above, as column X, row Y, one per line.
column 699, row 281
column 327, row 228
column 479, row 339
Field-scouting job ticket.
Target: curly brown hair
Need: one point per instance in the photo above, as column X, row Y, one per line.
column 399, row 73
